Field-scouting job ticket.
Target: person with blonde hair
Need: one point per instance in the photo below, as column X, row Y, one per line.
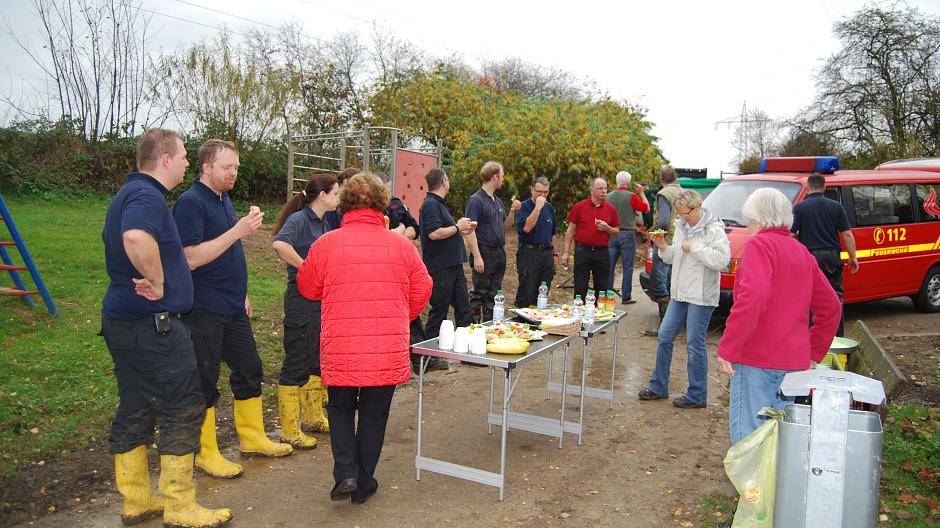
column 372, row 283
column 220, row 324
column 698, row 252
column 768, row 333
column 488, row 240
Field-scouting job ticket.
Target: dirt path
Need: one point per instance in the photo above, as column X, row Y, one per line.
column 643, row 464
column 640, row 463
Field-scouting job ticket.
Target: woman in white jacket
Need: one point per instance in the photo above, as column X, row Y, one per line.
column 698, row 253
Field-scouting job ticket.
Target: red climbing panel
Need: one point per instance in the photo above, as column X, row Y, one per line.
column 410, row 185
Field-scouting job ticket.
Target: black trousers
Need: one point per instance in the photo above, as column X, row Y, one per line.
column 450, row 289
column 534, row 266
column 356, row 449
column 831, row 265
column 218, row 338
column 301, row 338
column 487, row 283
column 594, row 262
column 158, row 386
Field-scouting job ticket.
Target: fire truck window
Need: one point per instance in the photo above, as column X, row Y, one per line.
column 882, row 204
column 833, row 193
column 927, row 202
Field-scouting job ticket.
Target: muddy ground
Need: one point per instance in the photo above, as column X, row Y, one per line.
column 643, row 464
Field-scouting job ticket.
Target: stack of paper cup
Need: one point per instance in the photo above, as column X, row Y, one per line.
column 445, row 339
column 462, row 340
column 478, row 342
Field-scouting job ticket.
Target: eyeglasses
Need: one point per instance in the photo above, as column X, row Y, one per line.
column 687, row 213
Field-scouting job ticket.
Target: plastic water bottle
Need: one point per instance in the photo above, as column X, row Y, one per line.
column 577, row 307
column 589, row 308
column 499, row 306
column 542, row 302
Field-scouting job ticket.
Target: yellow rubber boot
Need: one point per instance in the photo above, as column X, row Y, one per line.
column 312, row 417
column 288, row 398
column 209, row 459
column 249, row 423
column 132, row 477
column 179, row 493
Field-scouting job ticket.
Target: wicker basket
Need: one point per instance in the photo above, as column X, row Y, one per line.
column 567, row 329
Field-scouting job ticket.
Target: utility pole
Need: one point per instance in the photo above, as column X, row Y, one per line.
column 743, row 124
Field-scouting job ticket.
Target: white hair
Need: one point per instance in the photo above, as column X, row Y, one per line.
column 769, row 208
column 623, row 178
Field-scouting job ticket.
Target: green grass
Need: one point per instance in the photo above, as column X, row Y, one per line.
column 57, row 389
column 910, row 469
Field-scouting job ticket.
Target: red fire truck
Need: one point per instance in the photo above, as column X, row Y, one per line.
column 892, row 210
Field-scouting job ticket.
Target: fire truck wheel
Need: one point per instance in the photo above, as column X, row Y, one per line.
column 928, row 298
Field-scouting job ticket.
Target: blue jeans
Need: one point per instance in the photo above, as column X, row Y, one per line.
column 752, row 389
column 623, row 246
column 660, row 276
column 695, row 320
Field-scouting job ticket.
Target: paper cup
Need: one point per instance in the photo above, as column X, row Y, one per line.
column 478, row 344
column 446, row 336
column 462, row 340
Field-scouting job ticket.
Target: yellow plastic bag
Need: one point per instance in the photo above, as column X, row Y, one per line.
column 751, row 465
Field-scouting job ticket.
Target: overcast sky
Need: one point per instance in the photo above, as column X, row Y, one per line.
column 692, row 64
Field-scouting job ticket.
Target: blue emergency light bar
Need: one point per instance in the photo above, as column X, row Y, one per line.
column 820, row 164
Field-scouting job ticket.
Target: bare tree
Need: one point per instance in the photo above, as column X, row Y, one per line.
column 882, row 88
column 96, row 56
column 228, row 90
column 531, row 80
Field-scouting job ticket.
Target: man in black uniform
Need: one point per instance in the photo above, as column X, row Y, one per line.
column 154, row 363
column 401, row 221
column 444, row 254
column 211, row 235
column 817, row 223
column 487, row 253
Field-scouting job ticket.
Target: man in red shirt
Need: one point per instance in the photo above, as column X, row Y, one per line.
column 591, row 223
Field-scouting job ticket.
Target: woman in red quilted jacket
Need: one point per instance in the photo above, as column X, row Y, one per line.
column 372, row 282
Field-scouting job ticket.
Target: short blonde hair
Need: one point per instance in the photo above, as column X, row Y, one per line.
column 153, row 144
column 769, row 208
column 490, row 170
column 689, row 198
column 364, row 191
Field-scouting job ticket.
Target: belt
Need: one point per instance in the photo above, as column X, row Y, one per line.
column 590, row 248
column 537, row 247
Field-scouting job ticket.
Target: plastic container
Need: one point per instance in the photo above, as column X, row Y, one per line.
column 499, row 306
column 542, row 302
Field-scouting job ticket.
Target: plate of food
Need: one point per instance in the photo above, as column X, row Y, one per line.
column 537, row 316
column 655, row 233
column 509, row 329
column 604, row 315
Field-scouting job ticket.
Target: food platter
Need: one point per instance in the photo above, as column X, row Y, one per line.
column 508, row 329
column 537, row 316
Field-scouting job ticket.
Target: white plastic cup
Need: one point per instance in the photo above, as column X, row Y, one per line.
column 478, row 343
column 462, row 340
column 445, row 339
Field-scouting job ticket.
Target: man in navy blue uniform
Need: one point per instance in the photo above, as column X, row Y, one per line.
column 535, row 259
column 154, row 363
column 211, row 235
column 443, row 252
column 817, row 223
column 487, row 253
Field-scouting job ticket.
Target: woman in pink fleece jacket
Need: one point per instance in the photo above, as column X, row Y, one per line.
column 768, row 333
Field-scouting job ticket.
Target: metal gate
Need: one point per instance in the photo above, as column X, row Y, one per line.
column 372, row 149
